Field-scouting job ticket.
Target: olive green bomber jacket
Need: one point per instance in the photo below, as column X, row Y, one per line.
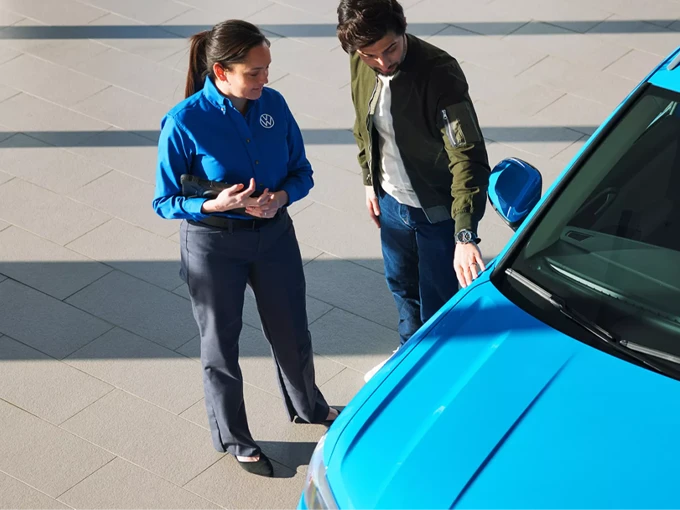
column 436, row 130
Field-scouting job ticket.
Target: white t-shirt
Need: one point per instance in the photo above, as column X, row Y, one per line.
column 393, row 176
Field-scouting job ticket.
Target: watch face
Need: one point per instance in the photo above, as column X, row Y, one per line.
column 464, row 236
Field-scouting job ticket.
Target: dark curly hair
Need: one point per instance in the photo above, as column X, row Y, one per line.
column 364, row 22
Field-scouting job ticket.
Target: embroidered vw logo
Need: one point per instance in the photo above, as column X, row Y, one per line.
column 267, row 121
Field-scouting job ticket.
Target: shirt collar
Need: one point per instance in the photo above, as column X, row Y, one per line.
column 212, row 93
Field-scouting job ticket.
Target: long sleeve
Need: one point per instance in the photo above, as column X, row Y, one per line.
column 174, row 159
column 299, row 180
column 464, row 143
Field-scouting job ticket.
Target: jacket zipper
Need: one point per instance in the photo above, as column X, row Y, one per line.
column 369, row 128
column 449, row 131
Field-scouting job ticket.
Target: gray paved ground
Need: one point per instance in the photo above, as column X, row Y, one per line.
column 100, row 388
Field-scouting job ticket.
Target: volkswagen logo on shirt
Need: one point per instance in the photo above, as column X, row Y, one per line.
column 267, row 121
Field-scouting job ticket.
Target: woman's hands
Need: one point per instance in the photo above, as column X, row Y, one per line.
column 235, row 197
column 269, row 209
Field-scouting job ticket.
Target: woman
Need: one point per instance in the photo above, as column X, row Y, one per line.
column 233, row 130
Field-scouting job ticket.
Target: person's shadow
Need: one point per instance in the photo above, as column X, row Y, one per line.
column 288, row 456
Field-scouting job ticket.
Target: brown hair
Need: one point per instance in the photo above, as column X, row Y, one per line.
column 226, row 43
column 364, row 22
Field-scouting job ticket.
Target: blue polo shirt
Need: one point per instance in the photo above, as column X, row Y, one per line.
column 206, row 136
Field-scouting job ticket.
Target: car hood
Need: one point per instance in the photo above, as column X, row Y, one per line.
column 492, row 408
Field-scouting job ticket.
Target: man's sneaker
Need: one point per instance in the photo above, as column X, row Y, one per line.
column 375, row 369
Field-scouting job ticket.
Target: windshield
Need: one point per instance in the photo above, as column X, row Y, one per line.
column 609, row 243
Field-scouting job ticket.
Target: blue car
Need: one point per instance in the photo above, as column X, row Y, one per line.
column 553, row 380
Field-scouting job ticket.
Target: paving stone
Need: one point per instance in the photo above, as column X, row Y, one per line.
column 515, row 95
column 230, row 486
column 68, row 53
column 134, row 251
column 138, row 158
column 639, row 35
column 489, row 52
column 478, row 17
column 327, row 229
column 150, row 11
column 139, row 307
column 317, row 100
column 146, row 435
column 335, row 281
column 47, row 121
column 49, row 81
column 146, row 41
column 16, row 494
column 142, row 368
column 43, row 386
column 45, row 323
column 575, row 16
column 605, row 88
column 300, row 24
column 126, row 198
column 335, row 146
column 121, row 484
column 136, row 74
column 46, row 266
column 207, row 13
column 585, row 49
column 584, row 115
column 54, row 217
column 40, row 464
column 49, row 167
column 352, row 341
column 635, row 65
column 299, row 58
column 343, row 387
column 64, row 12
column 124, row 109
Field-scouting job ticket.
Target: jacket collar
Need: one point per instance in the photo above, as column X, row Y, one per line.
column 410, row 61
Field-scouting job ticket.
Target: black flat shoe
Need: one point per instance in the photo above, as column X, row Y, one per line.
column 328, row 423
column 261, row 467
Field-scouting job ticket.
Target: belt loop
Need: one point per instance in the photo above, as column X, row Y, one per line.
column 230, row 227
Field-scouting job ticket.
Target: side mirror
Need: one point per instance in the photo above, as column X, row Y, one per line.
column 514, row 190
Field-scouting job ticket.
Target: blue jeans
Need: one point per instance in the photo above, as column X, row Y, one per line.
column 418, row 258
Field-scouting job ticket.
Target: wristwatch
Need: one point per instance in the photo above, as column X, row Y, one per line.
column 466, row 237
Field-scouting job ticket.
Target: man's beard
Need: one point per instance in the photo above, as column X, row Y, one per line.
column 392, row 72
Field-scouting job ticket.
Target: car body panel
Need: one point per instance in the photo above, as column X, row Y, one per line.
column 505, row 407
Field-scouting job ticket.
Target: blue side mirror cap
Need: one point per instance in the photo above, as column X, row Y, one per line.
column 514, row 190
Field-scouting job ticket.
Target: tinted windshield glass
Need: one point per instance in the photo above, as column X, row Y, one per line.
column 609, row 244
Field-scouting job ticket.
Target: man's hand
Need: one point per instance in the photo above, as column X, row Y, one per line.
column 466, row 259
column 269, row 208
column 234, row 198
column 372, row 205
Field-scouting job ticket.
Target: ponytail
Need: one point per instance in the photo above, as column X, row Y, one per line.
column 198, row 63
column 227, row 43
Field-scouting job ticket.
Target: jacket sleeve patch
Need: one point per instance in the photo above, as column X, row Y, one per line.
column 459, row 125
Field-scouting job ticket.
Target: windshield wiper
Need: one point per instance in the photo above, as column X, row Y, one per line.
column 629, row 349
column 650, row 352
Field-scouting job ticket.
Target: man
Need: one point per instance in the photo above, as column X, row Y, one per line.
column 422, row 155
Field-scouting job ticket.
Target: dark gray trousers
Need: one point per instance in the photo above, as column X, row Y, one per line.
column 217, row 265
